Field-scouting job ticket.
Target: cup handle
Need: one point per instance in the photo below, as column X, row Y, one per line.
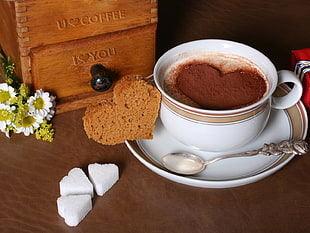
column 291, row 98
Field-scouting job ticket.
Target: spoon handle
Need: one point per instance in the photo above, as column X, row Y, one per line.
column 296, row 147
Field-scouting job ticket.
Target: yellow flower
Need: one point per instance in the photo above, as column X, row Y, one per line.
column 45, row 132
column 24, row 90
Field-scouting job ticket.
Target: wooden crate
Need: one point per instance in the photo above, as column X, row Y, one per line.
column 54, row 42
column 64, row 68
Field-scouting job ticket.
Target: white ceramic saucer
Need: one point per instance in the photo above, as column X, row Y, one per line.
column 283, row 124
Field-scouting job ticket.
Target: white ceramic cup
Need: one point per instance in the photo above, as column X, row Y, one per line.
column 221, row 130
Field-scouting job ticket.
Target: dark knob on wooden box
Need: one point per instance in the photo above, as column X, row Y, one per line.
column 101, row 81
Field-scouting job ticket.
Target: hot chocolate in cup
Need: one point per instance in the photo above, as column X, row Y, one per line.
column 217, row 94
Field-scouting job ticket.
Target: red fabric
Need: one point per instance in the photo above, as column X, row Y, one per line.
column 303, row 55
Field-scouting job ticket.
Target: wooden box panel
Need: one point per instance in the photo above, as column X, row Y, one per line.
column 53, row 21
column 64, row 68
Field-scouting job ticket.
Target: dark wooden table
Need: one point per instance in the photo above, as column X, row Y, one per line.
column 142, row 201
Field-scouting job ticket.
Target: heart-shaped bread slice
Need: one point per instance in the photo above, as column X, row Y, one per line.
column 103, row 176
column 76, row 182
column 129, row 115
column 74, row 208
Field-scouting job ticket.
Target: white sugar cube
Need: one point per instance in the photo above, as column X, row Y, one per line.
column 103, row 176
column 74, row 208
column 76, row 182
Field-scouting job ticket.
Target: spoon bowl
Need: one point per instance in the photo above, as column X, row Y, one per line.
column 183, row 163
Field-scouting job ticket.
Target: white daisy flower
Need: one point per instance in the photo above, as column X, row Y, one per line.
column 40, row 104
column 6, row 117
column 29, row 124
column 6, row 93
column 52, row 109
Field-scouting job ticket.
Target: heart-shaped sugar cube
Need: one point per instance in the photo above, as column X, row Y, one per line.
column 103, row 176
column 74, row 208
column 75, row 183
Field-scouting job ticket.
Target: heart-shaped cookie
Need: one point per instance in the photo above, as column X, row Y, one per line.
column 129, row 115
column 74, row 208
column 76, row 182
column 211, row 89
column 103, row 176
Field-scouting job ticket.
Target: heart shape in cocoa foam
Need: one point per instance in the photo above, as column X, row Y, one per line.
column 211, row 89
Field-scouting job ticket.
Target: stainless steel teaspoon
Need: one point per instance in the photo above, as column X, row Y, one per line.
column 189, row 164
